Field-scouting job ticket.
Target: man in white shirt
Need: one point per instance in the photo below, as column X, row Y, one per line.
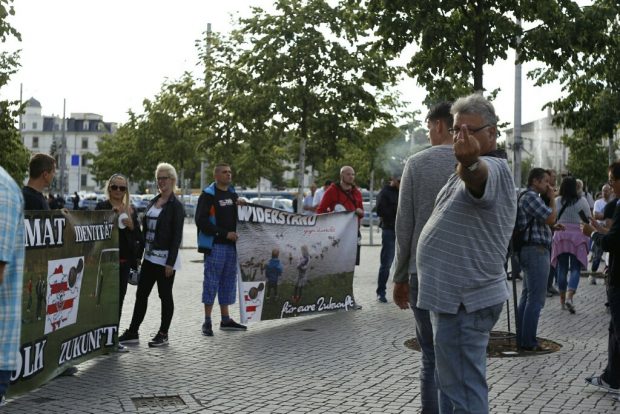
column 318, row 195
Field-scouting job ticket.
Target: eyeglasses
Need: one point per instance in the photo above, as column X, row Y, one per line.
column 164, row 178
column 455, row 131
column 115, row 187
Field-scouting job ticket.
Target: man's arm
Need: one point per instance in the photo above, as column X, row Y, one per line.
column 405, row 226
column 326, row 202
column 467, row 152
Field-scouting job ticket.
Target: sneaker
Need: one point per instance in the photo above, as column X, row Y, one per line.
column 129, row 337
column 592, row 280
column 563, row 306
column 207, row 330
column 159, row 340
column 600, row 382
column 122, row 348
column 382, row 299
column 553, row 290
column 231, row 325
column 570, row 306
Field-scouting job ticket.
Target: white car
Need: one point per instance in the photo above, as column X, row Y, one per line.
column 273, row 202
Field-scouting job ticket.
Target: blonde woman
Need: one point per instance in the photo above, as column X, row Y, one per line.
column 129, row 234
column 162, row 227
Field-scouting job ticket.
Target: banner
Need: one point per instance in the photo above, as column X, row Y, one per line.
column 70, row 294
column 292, row 264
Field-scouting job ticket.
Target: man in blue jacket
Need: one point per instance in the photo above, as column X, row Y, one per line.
column 216, row 219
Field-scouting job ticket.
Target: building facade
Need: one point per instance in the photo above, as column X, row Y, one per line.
column 82, row 131
column 542, row 144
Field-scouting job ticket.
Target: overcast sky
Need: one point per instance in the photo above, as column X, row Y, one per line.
column 106, row 56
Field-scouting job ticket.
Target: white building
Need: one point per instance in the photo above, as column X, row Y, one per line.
column 542, row 142
column 82, row 131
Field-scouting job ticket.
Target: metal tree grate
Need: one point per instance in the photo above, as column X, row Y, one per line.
column 158, row 402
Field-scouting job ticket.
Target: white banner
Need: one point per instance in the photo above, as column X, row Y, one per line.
column 292, row 264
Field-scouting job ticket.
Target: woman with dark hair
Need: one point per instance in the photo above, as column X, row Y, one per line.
column 162, row 226
column 569, row 252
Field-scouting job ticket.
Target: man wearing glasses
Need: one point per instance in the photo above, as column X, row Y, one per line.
column 461, row 254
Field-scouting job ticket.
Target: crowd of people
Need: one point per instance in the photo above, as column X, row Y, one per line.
column 446, row 233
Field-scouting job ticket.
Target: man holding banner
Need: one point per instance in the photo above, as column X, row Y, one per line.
column 216, row 219
column 344, row 196
column 11, row 276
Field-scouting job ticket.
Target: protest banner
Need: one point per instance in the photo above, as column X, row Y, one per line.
column 70, row 294
column 292, row 264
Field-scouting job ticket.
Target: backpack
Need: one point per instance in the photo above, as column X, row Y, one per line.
column 517, row 240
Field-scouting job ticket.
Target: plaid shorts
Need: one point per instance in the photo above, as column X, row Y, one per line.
column 220, row 275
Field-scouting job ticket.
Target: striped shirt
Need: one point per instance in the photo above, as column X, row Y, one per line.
column 12, row 254
column 462, row 248
column 533, row 208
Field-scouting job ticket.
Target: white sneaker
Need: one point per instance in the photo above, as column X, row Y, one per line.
column 592, row 280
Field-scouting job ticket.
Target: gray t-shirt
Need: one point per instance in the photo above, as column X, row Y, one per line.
column 424, row 175
column 462, row 248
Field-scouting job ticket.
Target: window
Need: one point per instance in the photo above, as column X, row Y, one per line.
column 84, row 143
column 84, row 180
column 35, row 142
column 85, row 126
column 84, row 161
column 23, row 125
column 34, row 125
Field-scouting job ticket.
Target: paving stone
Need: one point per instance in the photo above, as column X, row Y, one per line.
column 355, row 362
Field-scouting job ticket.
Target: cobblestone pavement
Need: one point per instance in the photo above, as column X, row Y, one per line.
column 347, row 362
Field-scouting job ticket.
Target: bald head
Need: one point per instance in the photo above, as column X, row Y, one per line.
column 347, row 176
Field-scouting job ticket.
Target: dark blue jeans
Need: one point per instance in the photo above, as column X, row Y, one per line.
column 388, row 245
column 5, row 379
column 535, row 265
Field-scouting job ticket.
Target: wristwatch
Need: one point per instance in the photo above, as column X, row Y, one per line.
column 473, row 167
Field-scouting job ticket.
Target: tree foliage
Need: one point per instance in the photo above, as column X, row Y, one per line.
column 317, row 85
column 14, row 155
column 583, row 56
column 454, row 40
column 586, row 160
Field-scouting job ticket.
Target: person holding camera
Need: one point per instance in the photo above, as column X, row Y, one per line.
column 569, row 253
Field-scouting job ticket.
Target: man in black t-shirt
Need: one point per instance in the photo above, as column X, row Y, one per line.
column 41, row 169
column 216, row 219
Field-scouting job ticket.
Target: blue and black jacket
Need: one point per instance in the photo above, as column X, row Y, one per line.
column 206, row 222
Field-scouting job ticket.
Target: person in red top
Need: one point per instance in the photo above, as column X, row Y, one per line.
column 343, row 195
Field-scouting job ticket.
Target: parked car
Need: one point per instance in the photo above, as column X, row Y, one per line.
column 367, row 215
column 273, row 202
column 189, row 202
column 141, row 201
column 89, row 201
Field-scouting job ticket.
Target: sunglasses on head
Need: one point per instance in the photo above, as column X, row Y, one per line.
column 115, row 187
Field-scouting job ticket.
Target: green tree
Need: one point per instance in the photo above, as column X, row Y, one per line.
column 234, row 124
column 14, row 155
column 583, row 56
column 586, row 159
column 124, row 152
column 318, row 85
column 454, row 40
